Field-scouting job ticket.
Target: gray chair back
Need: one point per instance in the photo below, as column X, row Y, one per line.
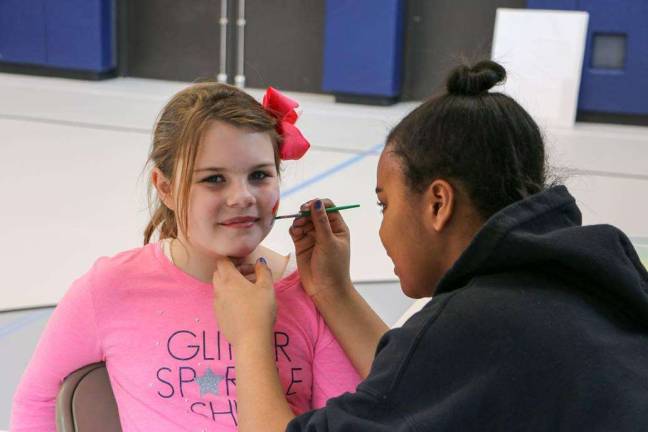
column 86, row 403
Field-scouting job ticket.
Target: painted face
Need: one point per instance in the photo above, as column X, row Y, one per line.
column 235, row 188
column 402, row 232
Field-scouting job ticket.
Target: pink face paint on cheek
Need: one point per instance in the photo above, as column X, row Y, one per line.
column 275, row 209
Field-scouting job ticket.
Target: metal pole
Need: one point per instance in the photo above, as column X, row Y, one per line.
column 222, row 75
column 239, row 79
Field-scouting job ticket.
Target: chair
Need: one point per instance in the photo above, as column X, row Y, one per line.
column 85, row 402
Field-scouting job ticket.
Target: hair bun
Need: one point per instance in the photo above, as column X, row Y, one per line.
column 470, row 81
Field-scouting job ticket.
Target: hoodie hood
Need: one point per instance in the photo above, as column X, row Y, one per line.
column 543, row 233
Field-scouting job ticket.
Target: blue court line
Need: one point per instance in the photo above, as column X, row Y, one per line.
column 336, row 168
column 23, row 321
column 35, row 316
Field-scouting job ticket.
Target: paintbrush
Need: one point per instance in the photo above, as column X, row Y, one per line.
column 306, row 213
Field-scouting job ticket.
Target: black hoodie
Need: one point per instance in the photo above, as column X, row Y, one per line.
column 541, row 325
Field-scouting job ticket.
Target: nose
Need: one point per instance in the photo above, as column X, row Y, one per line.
column 240, row 196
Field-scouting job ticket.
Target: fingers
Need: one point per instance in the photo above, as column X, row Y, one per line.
column 226, row 273
column 224, row 268
column 302, row 233
column 248, row 271
column 327, row 202
column 298, row 231
column 320, row 221
column 320, row 226
column 336, row 220
column 245, row 269
column 303, row 242
column 337, row 223
column 263, row 273
column 308, row 204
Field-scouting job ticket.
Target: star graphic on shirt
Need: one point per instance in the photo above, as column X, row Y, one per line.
column 209, row 382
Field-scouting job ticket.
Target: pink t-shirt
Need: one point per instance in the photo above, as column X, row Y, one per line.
column 169, row 366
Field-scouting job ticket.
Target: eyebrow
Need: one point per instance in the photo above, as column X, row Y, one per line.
column 266, row 165
column 379, row 190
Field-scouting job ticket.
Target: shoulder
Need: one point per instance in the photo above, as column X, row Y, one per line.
column 517, row 302
column 126, row 260
column 125, row 265
column 279, row 264
column 437, row 348
column 89, row 291
column 291, row 296
column 514, row 320
column 500, row 342
column 296, row 310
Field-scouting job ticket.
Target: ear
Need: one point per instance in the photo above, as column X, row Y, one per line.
column 164, row 188
column 439, row 201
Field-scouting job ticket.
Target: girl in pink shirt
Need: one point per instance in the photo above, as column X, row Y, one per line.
column 148, row 312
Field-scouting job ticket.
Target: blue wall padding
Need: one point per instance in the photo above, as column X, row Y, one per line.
column 553, row 4
column 363, row 47
column 79, row 34
column 22, row 31
column 69, row 34
column 621, row 91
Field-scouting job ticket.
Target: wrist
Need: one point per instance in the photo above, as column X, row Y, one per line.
column 252, row 339
column 334, row 295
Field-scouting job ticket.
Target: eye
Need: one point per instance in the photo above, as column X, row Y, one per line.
column 382, row 206
column 259, row 175
column 217, row 178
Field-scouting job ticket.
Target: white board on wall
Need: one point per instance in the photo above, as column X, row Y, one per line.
column 542, row 52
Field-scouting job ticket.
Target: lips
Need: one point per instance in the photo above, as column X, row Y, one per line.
column 240, row 222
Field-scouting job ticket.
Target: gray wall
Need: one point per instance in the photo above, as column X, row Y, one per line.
column 169, row 39
column 179, row 40
column 285, row 44
column 440, row 33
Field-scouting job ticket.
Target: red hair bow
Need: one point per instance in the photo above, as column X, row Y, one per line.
column 281, row 107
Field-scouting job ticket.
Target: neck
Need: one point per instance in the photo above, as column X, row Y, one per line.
column 201, row 265
column 462, row 231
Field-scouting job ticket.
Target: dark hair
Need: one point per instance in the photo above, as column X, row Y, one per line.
column 485, row 141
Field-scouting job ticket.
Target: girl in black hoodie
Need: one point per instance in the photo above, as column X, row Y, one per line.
column 537, row 322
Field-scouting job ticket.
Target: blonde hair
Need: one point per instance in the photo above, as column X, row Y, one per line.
column 177, row 134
